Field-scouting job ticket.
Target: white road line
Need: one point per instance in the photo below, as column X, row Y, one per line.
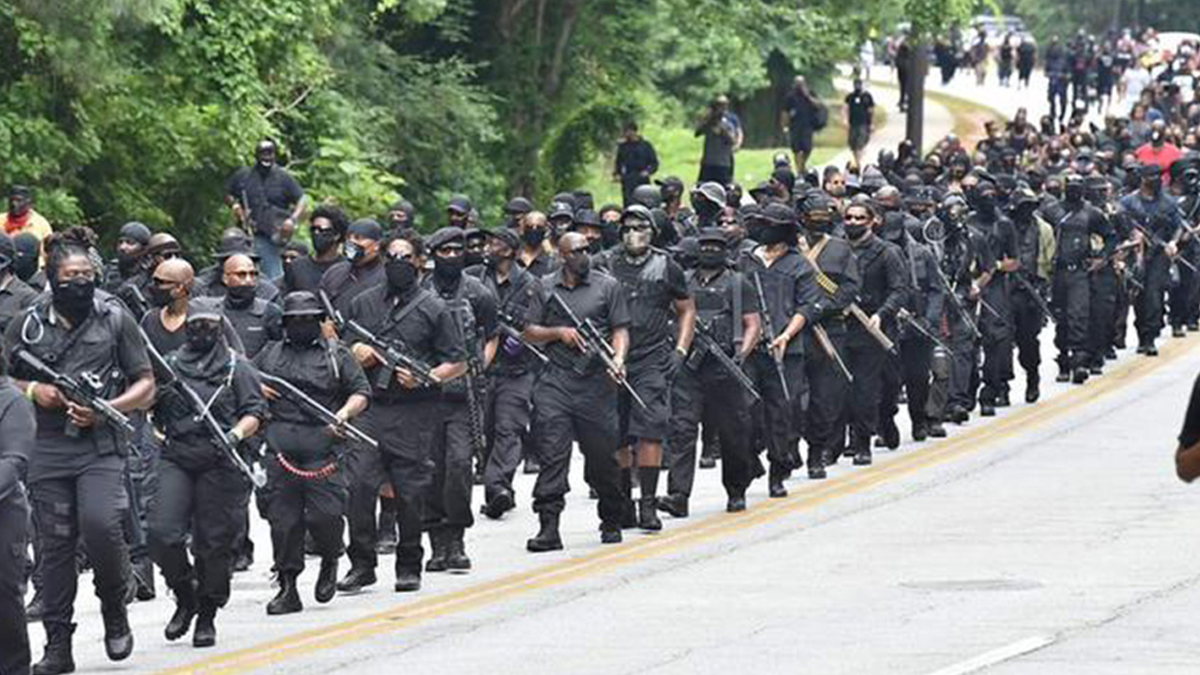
column 1012, row 651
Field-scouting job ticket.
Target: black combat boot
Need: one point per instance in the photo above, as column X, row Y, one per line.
column 547, row 538
column 356, row 579
column 676, row 505
column 889, row 433
column 287, row 600
column 205, row 633
column 118, row 638
column 327, row 579
column 648, row 514
column 1080, row 375
column 1032, row 387
column 57, row 658
column 407, row 581
column 862, row 454
column 437, row 547
column 610, row 535
column 185, row 611
column 456, row 551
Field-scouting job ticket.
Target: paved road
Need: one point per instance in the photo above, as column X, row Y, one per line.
column 1051, row 539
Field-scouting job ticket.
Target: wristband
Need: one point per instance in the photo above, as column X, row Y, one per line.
column 29, row 390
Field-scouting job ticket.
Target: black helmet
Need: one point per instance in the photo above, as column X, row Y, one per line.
column 302, row 303
column 649, row 196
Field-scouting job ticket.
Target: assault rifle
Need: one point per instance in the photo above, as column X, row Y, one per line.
column 322, row 413
column 85, row 394
column 595, row 344
column 706, row 343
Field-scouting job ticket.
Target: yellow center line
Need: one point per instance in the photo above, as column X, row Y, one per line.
column 719, row 525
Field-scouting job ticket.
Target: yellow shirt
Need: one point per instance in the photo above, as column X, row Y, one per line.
column 36, row 225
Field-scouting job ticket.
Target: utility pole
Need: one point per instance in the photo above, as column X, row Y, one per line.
column 915, row 121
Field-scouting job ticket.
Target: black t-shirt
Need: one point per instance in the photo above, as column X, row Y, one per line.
column 425, row 329
column 166, row 342
column 304, row 273
column 105, row 348
column 598, row 298
column 323, row 370
column 860, row 105
column 343, row 281
column 1190, row 434
column 801, row 111
column 271, row 195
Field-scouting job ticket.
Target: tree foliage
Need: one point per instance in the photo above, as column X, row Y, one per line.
column 139, row 109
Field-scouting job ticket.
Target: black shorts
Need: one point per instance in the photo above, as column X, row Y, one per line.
column 859, row 136
column 801, row 140
column 648, row 375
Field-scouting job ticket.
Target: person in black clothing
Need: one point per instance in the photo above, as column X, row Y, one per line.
column 1028, row 317
column 327, row 226
column 472, row 309
column 859, row 108
column 170, row 298
column 1072, row 294
column 1006, row 56
column 574, row 399
column 362, row 269
column 1026, row 60
column 837, row 278
column 126, row 276
column 400, row 217
column 256, row 321
column 924, row 305
column 268, row 202
column 799, row 120
column 966, row 264
column 662, row 316
column 535, row 256
column 703, row 392
column 305, row 488
column 636, row 161
column 882, row 292
column 76, row 472
column 25, row 265
column 511, row 374
column 210, row 281
column 403, row 414
column 791, row 303
column 1058, row 74
column 1156, row 221
column 995, row 319
column 15, row 295
column 1104, row 284
column 200, row 488
column 17, row 440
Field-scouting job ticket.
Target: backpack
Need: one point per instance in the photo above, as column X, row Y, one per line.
column 820, row 117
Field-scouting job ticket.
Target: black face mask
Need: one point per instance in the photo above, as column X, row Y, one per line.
column 580, row 266
column 711, row 259
column 240, row 296
column 25, row 266
column 324, row 240
column 854, row 232
column 1074, row 194
column 595, row 246
column 472, row 258
column 202, row 336
column 159, row 296
column 302, row 331
column 448, row 270
column 985, row 202
column 755, row 231
column 401, row 276
column 534, row 236
column 74, row 298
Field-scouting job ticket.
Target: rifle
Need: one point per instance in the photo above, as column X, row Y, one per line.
column 872, row 330
column 393, row 353
column 907, row 317
column 508, row 326
column 85, row 394
column 321, row 412
column 769, row 329
column 1037, row 297
column 594, row 343
column 475, row 422
column 706, row 343
column 826, row 344
column 203, row 414
column 957, row 301
column 1157, row 241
